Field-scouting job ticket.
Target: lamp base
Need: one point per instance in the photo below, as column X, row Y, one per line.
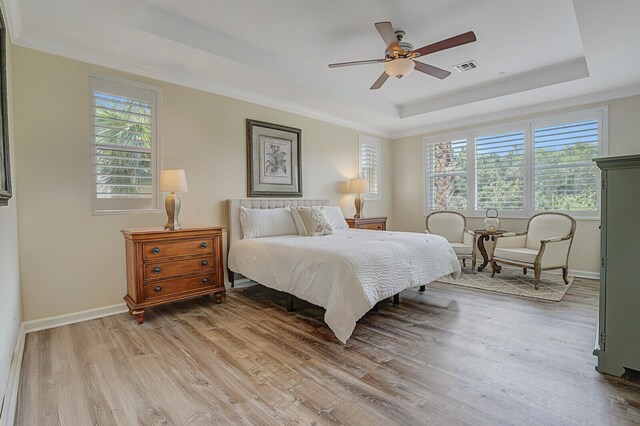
column 359, row 202
column 172, row 205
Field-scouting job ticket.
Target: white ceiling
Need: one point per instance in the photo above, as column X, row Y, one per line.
column 275, row 52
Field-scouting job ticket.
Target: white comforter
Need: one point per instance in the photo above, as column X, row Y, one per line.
column 348, row 272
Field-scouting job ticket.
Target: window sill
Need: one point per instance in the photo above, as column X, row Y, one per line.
column 125, row 212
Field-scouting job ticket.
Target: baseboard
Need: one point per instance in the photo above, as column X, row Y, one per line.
column 577, row 274
column 10, row 403
column 74, row 317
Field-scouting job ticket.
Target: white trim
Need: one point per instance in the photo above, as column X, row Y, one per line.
column 578, row 274
column 515, row 113
column 74, row 317
column 210, row 86
column 8, row 411
column 372, row 141
column 527, row 126
column 131, row 89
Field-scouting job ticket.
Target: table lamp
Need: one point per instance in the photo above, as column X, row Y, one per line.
column 359, row 186
column 172, row 181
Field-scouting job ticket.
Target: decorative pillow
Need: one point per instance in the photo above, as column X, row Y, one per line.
column 335, row 217
column 257, row 223
column 315, row 222
column 298, row 221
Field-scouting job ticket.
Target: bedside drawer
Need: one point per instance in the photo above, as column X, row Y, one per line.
column 159, row 270
column 373, row 226
column 157, row 250
column 180, row 285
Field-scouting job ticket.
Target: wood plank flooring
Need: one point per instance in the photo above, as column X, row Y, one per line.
column 448, row 356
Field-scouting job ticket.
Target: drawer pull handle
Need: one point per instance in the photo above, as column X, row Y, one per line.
column 155, row 250
column 204, row 263
column 204, row 245
column 157, row 288
column 205, row 280
column 156, row 270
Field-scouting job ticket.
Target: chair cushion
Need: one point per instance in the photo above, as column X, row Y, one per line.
column 461, row 249
column 526, row 255
column 446, row 224
column 546, row 226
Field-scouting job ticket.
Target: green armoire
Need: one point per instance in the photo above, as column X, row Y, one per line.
column 618, row 338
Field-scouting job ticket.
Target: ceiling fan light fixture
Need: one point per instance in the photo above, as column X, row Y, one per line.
column 399, row 67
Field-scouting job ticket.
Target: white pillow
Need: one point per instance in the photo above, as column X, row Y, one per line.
column 315, row 222
column 335, row 217
column 257, row 223
column 298, row 221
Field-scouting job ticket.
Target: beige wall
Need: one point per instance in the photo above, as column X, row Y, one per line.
column 624, row 139
column 10, row 302
column 71, row 260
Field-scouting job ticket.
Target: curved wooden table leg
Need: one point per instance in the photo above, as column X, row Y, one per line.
column 483, row 251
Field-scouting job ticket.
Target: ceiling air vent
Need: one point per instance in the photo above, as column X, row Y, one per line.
column 466, row 66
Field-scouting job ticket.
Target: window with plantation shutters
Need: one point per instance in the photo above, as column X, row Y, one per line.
column 369, row 158
column 565, row 176
column 519, row 168
column 500, row 172
column 125, row 143
column 446, row 175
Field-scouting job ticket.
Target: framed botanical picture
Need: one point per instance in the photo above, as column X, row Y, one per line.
column 274, row 161
column 5, row 171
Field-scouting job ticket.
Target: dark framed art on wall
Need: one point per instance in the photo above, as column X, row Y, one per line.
column 274, row 160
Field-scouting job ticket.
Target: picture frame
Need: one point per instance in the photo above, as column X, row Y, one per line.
column 5, row 157
column 274, row 160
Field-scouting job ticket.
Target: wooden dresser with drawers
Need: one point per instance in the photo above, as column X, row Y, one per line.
column 168, row 266
column 375, row 223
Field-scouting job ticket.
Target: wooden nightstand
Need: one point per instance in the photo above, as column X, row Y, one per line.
column 375, row 223
column 168, row 266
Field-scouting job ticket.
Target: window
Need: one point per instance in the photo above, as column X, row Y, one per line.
column 565, row 177
column 500, row 173
column 369, row 159
column 447, row 175
column 125, row 146
column 519, row 169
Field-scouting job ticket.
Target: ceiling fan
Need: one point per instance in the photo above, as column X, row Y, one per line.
column 400, row 57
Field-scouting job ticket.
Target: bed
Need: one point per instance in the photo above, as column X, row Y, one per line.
column 347, row 272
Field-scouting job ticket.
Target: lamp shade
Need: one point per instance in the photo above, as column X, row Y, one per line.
column 173, row 181
column 399, row 67
column 359, row 186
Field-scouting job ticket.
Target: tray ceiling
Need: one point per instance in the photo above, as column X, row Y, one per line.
column 276, row 53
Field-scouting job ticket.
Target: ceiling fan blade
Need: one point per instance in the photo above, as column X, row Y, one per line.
column 388, row 35
column 459, row 40
column 431, row 70
column 380, row 81
column 348, row 64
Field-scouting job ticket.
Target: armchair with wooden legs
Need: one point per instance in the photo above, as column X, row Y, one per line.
column 545, row 245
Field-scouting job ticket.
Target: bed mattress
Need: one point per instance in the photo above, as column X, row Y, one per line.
column 347, row 272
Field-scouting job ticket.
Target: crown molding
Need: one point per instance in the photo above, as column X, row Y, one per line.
column 535, row 79
column 142, row 70
column 604, row 96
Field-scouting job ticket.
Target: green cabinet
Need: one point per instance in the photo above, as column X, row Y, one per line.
column 618, row 339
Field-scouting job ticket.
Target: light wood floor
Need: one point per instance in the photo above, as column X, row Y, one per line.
column 447, row 356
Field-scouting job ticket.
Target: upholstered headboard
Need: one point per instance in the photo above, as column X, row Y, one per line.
column 234, row 233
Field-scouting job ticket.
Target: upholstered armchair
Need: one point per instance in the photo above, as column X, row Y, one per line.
column 453, row 227
column 545, row 245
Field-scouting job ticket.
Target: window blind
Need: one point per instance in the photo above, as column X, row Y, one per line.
column 499, row 174
column 124, row 143
column 447, row 175
column 370, row 165
column 565, row 177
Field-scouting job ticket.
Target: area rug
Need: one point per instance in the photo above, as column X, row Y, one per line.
column 513, row 281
